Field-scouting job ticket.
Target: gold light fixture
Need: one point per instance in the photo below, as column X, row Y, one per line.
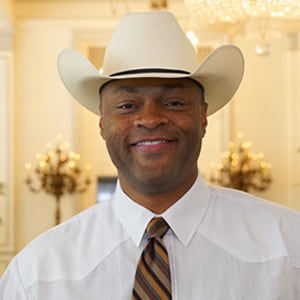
column 262, row 20
column 58, row 174
column 158, row 4
column 241, row 169
column 120, row 7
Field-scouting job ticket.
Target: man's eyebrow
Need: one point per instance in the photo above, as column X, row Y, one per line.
column 135, row 89
column 127, row 88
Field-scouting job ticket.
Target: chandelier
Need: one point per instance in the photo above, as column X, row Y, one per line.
column 241, row 169
column 262, row 20
column 58, row 173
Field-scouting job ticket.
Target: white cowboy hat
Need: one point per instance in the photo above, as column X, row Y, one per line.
column 152, row 44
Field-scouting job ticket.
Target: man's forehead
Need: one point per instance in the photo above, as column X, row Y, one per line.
column 133, row 85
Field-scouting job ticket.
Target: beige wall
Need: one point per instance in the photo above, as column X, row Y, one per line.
column 42, row 110
column 267, row 112
column 264, row 109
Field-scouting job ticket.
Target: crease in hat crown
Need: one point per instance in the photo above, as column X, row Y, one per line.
column 146, row 48
column 152, row 44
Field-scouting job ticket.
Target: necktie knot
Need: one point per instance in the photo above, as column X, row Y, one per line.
column 157, row 228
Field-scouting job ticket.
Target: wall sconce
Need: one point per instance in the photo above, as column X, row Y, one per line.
column 241, row 169
column 58, row 173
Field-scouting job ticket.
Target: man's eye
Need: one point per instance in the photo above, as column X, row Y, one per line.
column 174, row 104
column 126, row 106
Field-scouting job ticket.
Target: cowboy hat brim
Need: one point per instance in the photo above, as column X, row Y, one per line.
column 220, row 74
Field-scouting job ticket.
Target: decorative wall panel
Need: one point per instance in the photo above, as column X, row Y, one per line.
column 6, row 160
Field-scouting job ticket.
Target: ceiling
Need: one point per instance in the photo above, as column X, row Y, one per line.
column 89, row 8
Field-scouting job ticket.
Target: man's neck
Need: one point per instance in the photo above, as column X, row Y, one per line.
column 157, row 202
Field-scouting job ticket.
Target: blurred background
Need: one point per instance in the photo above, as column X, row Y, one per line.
column 36, row 109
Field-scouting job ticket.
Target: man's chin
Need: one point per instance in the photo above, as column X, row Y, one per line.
column 153, row 181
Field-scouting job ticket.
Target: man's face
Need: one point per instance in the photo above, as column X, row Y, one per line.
column 153, row 129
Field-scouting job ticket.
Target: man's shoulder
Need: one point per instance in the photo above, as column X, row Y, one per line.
column 250, row 205
column 252, row 228
column 80, row 225
column 72, row 249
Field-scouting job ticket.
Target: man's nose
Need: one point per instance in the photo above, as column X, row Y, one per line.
column 151, row 116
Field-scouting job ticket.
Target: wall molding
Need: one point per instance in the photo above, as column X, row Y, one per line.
column 6, row 157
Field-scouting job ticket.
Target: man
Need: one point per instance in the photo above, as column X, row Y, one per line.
column 203, row 242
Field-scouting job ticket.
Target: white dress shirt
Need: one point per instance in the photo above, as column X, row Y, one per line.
column 223, row 244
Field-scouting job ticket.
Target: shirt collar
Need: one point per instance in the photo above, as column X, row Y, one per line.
column 183, row 217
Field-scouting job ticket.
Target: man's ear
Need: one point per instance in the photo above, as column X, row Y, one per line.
column 204, row 120
column 101, row 123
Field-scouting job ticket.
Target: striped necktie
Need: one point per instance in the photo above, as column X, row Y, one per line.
column 152, row 278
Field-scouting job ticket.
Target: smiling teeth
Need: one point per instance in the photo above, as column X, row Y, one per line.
column 146, row 143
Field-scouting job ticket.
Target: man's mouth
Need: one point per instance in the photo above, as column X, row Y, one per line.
column 150, row 143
